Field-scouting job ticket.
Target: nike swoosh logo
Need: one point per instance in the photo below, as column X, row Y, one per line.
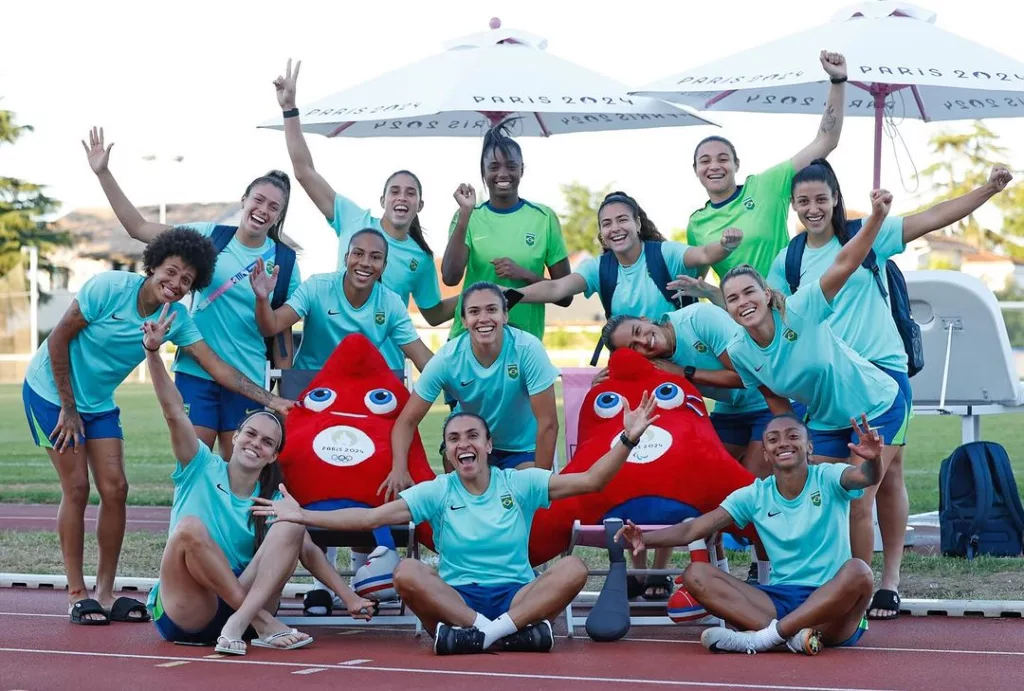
column 116, row 318
column 332, row 313
column 254, row 410
column 222, row 489
column 770, row 514
column 456, row 508
column 467, row 383
column 758, row 368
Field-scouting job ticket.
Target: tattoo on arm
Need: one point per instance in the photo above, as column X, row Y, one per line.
column 247, row 387
column 828, row 120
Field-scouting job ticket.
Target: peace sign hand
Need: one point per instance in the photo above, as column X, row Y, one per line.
column 636, row 422
column 153, row 333
column 869, row 443
column 99, row 156
column 286, row 85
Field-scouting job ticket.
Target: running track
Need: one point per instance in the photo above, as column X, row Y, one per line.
column 22, row 517
column 40, row 650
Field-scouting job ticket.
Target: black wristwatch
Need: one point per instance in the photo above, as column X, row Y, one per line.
column 837, row 80
column 689, row 371
column 626, row 441
column 291, row 113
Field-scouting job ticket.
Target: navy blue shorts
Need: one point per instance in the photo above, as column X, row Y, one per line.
column 892, row 427
column 740, row 429
column 489, row 600
column 210, row 405
column 42, row 419
column 503, row 460
column 787, row 598
column 903, row 380
column 205, row 636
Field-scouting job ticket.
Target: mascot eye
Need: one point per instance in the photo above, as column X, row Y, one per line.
column 380, row 401
column 608, row 404
column 669, row 396
column 319, row 399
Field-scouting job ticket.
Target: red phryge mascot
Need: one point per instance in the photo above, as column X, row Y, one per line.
column 338, row 438
column 679, row 470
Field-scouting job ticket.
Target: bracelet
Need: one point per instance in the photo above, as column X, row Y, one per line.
column 626, row 441
column 837, row 80
column 152, row 350
column 293, row 113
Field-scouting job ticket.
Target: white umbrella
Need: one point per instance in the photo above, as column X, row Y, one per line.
column 900, row 64
column 479, row 80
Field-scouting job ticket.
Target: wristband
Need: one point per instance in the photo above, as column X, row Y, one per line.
column 152, row 350
column 293, row 113
column 626, row 441
column 837, row 80
column 689, row 371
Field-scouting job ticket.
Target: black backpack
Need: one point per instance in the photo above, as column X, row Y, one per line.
column 979, row 508
column 284, row 258
column 657, row 269
column 908, row 329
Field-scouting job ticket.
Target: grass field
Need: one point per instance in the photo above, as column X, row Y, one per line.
column 29, row 477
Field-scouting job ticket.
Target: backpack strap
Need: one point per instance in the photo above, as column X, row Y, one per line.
column 221, row 236
column 657, row 269
column 285, row 260
column 794, row 258
column 607, row 277
column 871, row 260
column 999, row 463
column 982, row 492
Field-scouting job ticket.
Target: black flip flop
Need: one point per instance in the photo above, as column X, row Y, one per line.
column 318, row 598
column 82, row 608
column 656, row 582
column 634, row 588
column 124, row 607
column 887, row 600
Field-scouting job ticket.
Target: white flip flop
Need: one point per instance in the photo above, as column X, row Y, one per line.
column 268, row 642
column 227, row 649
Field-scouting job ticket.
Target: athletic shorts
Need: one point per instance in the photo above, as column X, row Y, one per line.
column 502, row 460
column 741, row 428
column 489, row 600
column 210, row 405
column 891, row 425
column 42, row 419
column 787, row 598
column 172, row 632
column 903, row 380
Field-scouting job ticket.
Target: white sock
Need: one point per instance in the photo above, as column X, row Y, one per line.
column 481, row 621
column 768, row 637
column 499, row 628
column 764, row 569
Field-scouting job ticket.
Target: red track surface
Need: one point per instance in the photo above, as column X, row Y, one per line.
column 46, row 652
column 151, row 519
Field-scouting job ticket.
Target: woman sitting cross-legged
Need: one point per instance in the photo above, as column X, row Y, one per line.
column 819, row 593
column 222, row 568
column 485, row 591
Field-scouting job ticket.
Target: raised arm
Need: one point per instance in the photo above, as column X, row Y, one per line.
column 713, row 252
column 318, row 189
column 953, row 210
column 287, row 509
column 401, row 438
column 869, row 447
column 133, row 221
column 854, row 252
column 69, row 431
column 456, row 253
column 184, row 441
column 827, row 137
column 551, row 291
column 269, row 321
column 635, row 423
column 546, row 413
column 233, row 380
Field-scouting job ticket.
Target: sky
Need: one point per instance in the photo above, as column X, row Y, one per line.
column 193, row 78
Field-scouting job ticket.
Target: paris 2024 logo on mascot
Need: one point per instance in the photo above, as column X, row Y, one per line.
column 679, row 469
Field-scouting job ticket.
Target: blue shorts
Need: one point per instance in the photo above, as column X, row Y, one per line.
column 503, row 460
column 787, row 598
column 42, row 419
column 210, row 405
column 741, row 428
column 891, row 425
column 489, row 600
column 205, row 636
column 903, row 380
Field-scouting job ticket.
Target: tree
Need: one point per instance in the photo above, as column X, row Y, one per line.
column 22, row 204
column 579, row 223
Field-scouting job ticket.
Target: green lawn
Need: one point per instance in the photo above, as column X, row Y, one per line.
column 29, row 477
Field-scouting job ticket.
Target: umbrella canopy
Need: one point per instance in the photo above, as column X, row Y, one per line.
column 899, row 62
column 479, row 80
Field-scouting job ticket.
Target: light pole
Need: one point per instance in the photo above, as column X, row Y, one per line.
column 163, row 180
column 33, row 294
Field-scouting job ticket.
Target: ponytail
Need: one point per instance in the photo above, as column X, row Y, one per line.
column 499, row 138
column 648, row 231
column 415, row 229
column 281, row 181
column 820, row 170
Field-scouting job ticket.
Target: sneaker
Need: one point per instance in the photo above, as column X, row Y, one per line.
column 752, row 573
column 805, row 642
column 723, row 640
column 455, row 640
column 535, row 638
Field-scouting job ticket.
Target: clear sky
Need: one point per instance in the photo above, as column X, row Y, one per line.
column 193, row 78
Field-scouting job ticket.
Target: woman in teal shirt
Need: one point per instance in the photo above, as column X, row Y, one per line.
column 789, row 348
column 224, row 312
column 221, row 565
column 69, row 400
column 862, row 318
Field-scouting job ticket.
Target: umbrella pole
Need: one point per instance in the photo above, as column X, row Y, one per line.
column 878, row 91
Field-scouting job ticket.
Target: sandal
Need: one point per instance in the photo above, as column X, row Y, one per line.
column 123, row 609
column 634, row 588
column 85, row 607
column 227, row 646
column 268, row 642
column 887, row 600
column 320, row 599
column 661, row 585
